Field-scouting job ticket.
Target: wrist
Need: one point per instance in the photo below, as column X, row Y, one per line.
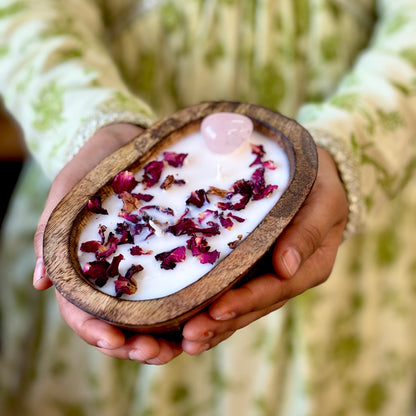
column 348, row 172
column 105, row 141
column 110, row 138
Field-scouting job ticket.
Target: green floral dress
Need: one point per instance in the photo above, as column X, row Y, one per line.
column 347, row 71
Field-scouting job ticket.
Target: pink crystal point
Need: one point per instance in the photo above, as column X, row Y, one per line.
column 225, row 132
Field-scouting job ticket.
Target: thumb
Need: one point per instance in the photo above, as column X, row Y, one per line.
column 325, row 211
column 295, row 246
column 41, row 280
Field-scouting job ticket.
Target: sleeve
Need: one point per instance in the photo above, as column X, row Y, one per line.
column 369, row 123
column 57, row 78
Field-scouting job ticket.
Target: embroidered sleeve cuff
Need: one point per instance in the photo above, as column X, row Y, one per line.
column 102, row 119
column 349, row 173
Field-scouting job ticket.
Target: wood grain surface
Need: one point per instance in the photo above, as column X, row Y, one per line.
column 169, row 313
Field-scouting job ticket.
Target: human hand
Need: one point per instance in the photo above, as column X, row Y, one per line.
column 107, row 338
column 302, row 258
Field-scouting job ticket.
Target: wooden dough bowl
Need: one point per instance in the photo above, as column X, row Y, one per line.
column 170, row 312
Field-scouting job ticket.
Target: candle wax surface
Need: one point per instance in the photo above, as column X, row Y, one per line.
column 202, row 169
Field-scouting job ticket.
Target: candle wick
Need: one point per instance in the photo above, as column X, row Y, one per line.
column 220, row 175
column 158, row 230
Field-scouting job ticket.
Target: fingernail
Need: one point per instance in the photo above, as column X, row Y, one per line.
column 291, row 260
column 154, row 361
column 204, row 348
column 136, row 355
column 103, row 343
column 223, row 316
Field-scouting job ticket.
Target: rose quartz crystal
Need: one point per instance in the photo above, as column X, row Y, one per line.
column 225, row 132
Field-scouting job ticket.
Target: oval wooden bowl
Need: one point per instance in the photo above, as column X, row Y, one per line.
column 169, row 312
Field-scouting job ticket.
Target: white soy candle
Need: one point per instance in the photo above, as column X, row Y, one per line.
column 205, row 169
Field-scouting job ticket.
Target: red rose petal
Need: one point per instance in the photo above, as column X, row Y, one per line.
column 152, row 173
column 124, row 181
column 138, row 251
column 143, row 197
column 260, row 190
column 127, row 285
column 97, row 271
column 197, row 245
column 187, row 226
column 169, row 259
column 158, row 208
column 226, row 222
column 199, row 248
column 90, row 246
column 174, row 159
column 112, row 270
column 269, row 164
column 197, row 198
column 94, row 205
column 109, row 248
column 129, row 217
column 209, row 257
column 257, row 150
column 207, row 213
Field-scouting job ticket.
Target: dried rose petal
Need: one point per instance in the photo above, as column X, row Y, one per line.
column 240, row 187
column 167, row 210
column 124, row 181
column 213, row 190
column 105, row 252
column 129, row 217
column 112, row 270
column 234, row 244
column 123, row 229
column 152, row 173
column 197, row 245
column 90, row 246
column 187, row 226
column 133, row 269
column 138, row 229
column 260, row 190
column 97, row 271
column 207, row 213
column 226, row 222
column 103, row 249
column 209, row 257
column 265, row 193
column 197, row 198
column 169, row 181
column 199, row 248
column 269, row 164
column 94, row 205
column 170, row 258
column 127, row 285
column 174, row 159
column 101, row 230
column 235, row 217
column 257, row 150
column 257, row 180
column 138, row 251
column 130, row 203
column 143, row 197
